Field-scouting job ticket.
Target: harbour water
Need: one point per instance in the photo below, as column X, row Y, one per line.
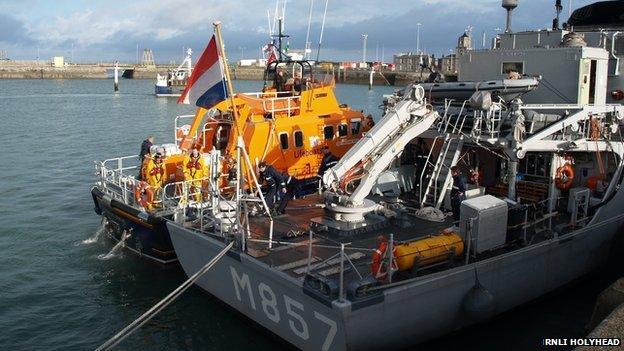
column 61, row 288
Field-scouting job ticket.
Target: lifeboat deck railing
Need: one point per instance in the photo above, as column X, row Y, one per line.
column 117, row 177
column 278, row 102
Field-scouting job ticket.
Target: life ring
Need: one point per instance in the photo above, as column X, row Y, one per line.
column 564, row 177
column 379, row 270
column 183, row 131
column 144, row 195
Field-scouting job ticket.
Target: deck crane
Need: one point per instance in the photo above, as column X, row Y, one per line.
column 374, row 153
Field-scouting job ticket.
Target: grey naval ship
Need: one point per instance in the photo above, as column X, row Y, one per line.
column 375, row 260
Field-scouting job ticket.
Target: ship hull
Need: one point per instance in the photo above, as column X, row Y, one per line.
column 424, row 308
column 145, row 235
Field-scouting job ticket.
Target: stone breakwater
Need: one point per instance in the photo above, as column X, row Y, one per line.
column 43, row 70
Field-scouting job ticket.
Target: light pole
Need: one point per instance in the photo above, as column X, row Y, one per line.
column 418, row 37
column 364, row 36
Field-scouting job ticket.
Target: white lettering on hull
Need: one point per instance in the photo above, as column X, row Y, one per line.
column 271, row 308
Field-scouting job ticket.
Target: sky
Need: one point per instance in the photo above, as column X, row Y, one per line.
column 107, row 30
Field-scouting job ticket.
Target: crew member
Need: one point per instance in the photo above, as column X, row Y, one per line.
column 156, row 172
column 280, row 81
column 194, row 170
column 293, row 186
column 146, row 145
column 329, row 160
column 274, row 180
column 458, row 192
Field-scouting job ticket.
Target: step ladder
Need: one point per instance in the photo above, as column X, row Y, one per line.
column 441, row 177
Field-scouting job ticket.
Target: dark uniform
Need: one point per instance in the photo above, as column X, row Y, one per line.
column 280, row 82
column 457, row 194
column 293, row 186
column 328, row 161
column 145, row 149
column 275, row 180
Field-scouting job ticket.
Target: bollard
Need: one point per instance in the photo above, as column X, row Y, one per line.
column 116, row 76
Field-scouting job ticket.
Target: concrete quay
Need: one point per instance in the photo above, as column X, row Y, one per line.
column 46, row 70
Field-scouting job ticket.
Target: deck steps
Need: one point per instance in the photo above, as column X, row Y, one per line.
column 441, row 177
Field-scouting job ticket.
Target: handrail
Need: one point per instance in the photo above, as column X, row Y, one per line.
column 422, row 173
column 289, row 100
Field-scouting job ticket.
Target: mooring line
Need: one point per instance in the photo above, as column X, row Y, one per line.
column 144, row 318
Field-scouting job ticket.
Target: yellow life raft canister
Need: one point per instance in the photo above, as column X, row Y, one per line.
column 430, row 250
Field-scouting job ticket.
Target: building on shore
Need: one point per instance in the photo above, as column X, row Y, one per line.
column 411, row 62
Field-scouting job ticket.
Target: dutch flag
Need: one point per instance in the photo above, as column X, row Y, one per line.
column 206, row 86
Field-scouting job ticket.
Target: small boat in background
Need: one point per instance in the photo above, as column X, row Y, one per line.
column 173, row 83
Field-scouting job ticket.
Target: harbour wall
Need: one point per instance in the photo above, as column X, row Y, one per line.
column 349, row 76
column 43, row 70
column 46, row 70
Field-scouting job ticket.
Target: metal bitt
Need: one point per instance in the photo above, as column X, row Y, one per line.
column 116, row 76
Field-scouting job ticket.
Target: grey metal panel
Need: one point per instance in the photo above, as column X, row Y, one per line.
column 489, row 216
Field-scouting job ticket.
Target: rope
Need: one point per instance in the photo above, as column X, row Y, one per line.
column 144, row 318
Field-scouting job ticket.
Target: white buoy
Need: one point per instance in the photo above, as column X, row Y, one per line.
column 370, row 79
column 116, row 76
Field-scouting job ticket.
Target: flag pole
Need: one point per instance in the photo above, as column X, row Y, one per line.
column 226, row 69
column 240, row 144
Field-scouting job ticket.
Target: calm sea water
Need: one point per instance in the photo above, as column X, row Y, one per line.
column 56, row 294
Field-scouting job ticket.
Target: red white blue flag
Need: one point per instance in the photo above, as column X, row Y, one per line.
column 206, row 86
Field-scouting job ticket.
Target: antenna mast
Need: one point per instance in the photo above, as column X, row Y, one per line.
column 318, row 51
column 307, row 42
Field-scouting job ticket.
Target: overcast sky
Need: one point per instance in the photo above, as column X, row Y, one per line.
column 104, row 30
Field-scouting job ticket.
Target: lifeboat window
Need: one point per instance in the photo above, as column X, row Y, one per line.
column 328, row 132
column 356, row 125
column 283, row 137
column 343, row 130
column 298, row 136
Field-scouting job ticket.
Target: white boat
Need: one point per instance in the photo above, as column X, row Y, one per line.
column 507, row 89
column 173, row 83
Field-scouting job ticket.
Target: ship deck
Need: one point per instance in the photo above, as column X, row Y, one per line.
column 290, row 255
column 289, row 252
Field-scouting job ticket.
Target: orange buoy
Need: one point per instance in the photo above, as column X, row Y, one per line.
column 144, row 195
column 564, row 176
column 379, row 270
